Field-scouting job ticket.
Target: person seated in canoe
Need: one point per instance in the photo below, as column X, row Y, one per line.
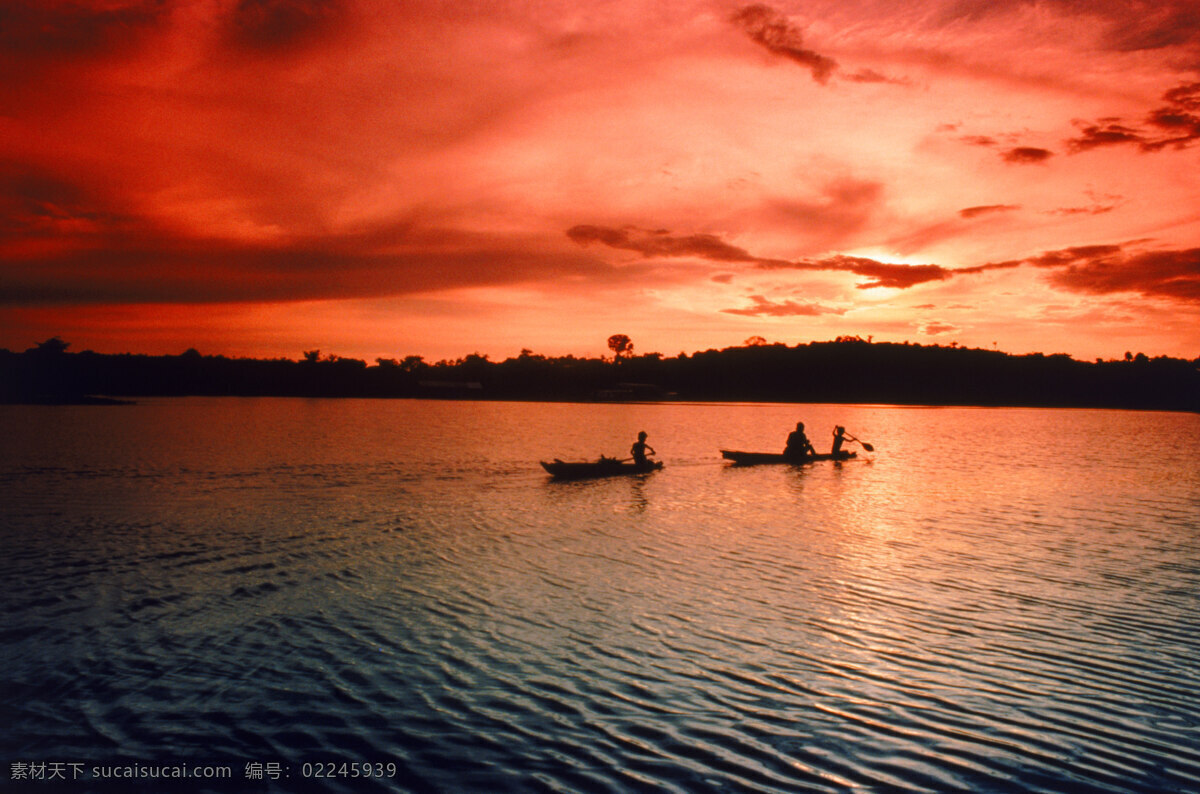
column 798, row 446
column 640, row 448
column 839, row 437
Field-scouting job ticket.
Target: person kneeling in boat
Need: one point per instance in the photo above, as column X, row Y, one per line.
column 639, row 450
column 798, row 446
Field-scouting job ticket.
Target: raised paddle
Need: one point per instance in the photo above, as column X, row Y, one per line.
column 865, row 445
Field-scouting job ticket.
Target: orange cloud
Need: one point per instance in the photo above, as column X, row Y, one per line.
column 767, row 308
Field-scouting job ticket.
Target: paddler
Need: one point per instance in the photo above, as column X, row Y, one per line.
column 839, row 436
column 640, row 448
column 798, row 446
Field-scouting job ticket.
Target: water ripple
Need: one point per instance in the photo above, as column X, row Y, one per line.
column 952, row 622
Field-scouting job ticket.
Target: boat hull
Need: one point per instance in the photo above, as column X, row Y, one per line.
column 753, row 458
column 570, row 470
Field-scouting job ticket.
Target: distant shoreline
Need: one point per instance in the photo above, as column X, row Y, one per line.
column 97, row 401
column 84, row 400
column 847, row 372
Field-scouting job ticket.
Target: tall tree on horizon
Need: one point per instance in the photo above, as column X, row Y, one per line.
column 621, row 346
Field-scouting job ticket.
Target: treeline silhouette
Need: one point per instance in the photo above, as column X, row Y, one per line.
column 847, row 370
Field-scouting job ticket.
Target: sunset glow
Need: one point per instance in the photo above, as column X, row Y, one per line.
column 263, row 177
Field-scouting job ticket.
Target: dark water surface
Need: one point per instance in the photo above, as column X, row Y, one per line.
column 995, row 600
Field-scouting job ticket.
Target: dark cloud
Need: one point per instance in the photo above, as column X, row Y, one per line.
column 1152, row 26
column 62, row 242
column 1108, row 133
column 974, row 269
column 1104, row 269
column 1023, row 155
column 1070, row 256
column 281, row 24
column 40, row 209
column 1179, row 119
column 1165, row 274
column 1018, row 155
column 1088, row 268
column 974, row 212
column 881, row 274
column 37, row 29
column 1129, row 26
column 772, row 30
column 1176, row 125
column 767, row 308
column 168, row 270
column 660, row 243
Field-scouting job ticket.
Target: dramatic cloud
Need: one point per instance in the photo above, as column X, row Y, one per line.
column 788, row 308
column 1074, row 255
column 63, row 243
column 1105, row 269
column 703, row 246
column 660, row 243
column 1096, row 269
column 169, row 270
column 1101, row 270
column 880, row 274
column 777, row 35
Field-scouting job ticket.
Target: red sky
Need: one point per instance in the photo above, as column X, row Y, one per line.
column 263, row 177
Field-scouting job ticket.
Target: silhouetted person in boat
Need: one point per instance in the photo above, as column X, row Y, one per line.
column 839, row 436
column 640, row 448
column 798, row 446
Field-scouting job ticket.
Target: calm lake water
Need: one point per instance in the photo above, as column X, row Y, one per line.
column 997, row 600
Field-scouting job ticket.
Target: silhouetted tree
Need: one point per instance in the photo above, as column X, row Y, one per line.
column 51, row 347
column 755, row 341
column 413, row 363
column 621, row 346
